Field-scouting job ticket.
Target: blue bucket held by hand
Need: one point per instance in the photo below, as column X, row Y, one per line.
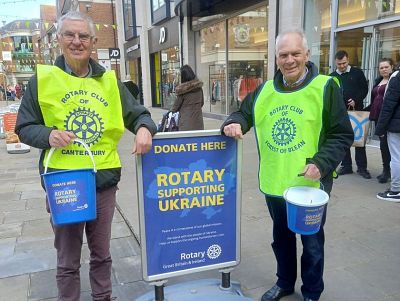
column 71, row 193
column 305, row 208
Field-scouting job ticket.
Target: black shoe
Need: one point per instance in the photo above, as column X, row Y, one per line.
column 384, row 177
column 344, row 170
column 308, row 299
column 364, row 173
column 275, row 293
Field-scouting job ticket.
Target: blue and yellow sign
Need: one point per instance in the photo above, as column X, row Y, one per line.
column 189, row 204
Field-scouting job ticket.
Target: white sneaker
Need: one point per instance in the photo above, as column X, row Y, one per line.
column 388, row 195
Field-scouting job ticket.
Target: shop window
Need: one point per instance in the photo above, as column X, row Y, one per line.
column 211, row 66
column 317, row 29
column 170, row 76
column 129, row 19
column 22, row 44
column 160, row 10
column 356, row 11
column 247, row 55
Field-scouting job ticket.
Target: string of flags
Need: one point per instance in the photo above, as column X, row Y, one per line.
column 48, row 24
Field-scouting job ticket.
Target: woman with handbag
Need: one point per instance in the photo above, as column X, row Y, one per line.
column 189, row 101
column 385, row 68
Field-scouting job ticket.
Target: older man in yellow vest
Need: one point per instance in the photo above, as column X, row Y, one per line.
column 77, row 98
column 301, row 127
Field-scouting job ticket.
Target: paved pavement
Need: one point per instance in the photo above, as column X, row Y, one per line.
column 362, row 235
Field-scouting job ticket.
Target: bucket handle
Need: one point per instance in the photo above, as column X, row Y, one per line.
column 76, row 140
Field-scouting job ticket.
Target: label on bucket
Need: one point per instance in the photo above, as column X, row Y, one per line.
column 307, row 220
column 66, row 194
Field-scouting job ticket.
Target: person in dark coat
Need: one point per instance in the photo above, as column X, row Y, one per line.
column 389, row 124
column 284, row 111
column 132, row 87
column 78, row 98
column 355, row 88
column 385, row 67
column 189, row 101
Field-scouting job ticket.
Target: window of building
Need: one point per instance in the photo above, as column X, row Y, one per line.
column 129, row 19
column 317, row 29
column 160, row 10
column 22, row 44
column 355, row 11
column 170, row 76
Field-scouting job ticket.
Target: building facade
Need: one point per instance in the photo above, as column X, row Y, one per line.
column 231, row 43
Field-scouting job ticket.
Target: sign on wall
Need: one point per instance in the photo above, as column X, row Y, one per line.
column 114, row 53
column 189, row 196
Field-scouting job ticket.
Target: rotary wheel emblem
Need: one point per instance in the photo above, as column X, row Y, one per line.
column 283, row 131
column 214, row 251
column 85, row 124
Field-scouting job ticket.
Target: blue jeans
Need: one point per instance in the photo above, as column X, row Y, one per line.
column 284, row 247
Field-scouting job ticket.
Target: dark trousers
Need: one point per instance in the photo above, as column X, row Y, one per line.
column 284, row 247
column 68, row 242
column 385, row 153
column 361, row 158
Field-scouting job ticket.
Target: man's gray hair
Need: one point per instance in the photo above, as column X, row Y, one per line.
column 76, row 15
column 297, row 31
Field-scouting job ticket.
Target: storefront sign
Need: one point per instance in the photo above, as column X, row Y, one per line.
column 106, row 64
column 7, row 56
column 163, row 35
column 133, row 48
column 189, row 196
column 242, row 35
column 114, row 53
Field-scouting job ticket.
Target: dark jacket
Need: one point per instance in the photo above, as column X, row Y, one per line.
column 32, row 131
column 336, row 134
column 389, row 118
column 354, row 85
column 189, row 102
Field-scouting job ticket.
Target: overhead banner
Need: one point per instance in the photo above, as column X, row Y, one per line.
column 189, row 198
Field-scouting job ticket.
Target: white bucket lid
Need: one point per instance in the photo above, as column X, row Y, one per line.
column 306, row 196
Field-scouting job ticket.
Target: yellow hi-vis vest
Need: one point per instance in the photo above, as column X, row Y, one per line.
column 88, row 107
column 287, row 127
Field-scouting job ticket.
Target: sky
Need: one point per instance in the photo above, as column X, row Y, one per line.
column 11, row 10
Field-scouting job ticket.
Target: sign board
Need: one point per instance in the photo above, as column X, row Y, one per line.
column 114, row 53
column 163, row 35
column 12, row 141
column 106, row 64
column 7, row 56
column 103, row 54
column 189, row 201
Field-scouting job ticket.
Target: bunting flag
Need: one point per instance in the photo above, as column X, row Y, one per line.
column 46, row 25
column 98, row 26
column 28, row 24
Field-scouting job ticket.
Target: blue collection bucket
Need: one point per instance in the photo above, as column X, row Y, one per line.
column 71, row 193
column 305, row 208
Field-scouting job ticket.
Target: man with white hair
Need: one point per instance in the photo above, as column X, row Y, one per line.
column 78, row 98
column 302, row 129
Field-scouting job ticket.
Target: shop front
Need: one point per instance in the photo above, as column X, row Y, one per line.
column 134, row 65
column 367, row 30
column 165, row 63
column 230, row 42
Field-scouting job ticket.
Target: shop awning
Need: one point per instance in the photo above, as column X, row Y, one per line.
column 201, row 8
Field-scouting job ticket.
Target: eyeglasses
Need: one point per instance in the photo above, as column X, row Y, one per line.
column 69, row 36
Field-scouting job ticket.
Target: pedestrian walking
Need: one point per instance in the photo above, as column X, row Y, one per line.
column 189, row 101
column 77, row 98
column 301, row 126
column 355, row 88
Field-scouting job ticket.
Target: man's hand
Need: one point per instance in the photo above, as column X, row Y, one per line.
column 59, row 138
column 311, row 172
column 143, row 141
column 233, row 130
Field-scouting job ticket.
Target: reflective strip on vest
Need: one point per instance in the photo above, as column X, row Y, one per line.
column 287, row 127
column 88, row 107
